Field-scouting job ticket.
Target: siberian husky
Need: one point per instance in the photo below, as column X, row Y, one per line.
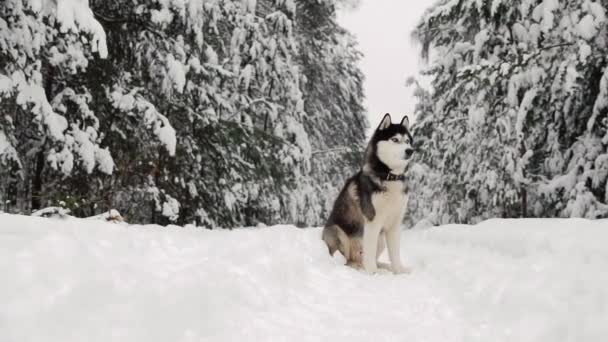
column 368, row 212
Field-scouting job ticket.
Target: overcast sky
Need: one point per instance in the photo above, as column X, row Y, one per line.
column 383, row 30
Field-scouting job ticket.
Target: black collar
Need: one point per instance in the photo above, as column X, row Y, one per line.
column 388, row 176
column 384, row 173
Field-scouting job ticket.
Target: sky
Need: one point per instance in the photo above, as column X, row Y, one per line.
column 383, row 28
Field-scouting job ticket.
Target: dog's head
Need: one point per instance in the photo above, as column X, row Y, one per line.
column 393, row 144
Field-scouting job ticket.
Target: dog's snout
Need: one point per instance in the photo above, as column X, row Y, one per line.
column 409, row 152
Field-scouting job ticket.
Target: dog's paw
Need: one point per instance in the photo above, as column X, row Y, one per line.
column 400, row 269
column 354, row 264
column 371, row 269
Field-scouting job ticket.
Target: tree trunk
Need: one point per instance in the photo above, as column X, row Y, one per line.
column 524, row 202
column 37, row 181
column 36, row 191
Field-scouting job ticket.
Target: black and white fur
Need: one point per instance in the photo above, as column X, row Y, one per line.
column 368, row 212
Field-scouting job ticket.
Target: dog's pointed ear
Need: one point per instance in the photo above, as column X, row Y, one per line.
column 385, row 123
column 405, row 122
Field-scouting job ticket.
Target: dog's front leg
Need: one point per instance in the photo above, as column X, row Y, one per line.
column 370, row 247
column 393, row 242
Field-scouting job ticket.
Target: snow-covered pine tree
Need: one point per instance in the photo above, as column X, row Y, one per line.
column 229, row 141
column 201, row 107
column 333, row 94
column 515, row 124
column 47, row 128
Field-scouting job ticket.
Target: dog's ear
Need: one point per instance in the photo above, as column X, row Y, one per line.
column 385, row 123
column 405, row 122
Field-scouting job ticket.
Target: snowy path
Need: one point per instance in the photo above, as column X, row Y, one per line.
column 77, row 280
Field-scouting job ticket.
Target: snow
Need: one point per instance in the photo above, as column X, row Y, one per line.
column 526, row 105
column 586, row 27
column 476, row 115
column 73, row 59
column 65, row 159
column 601, row 101
column 495, row 5
column 33, row 94
column 166, row 135
column 211, row 56
column 112, row 215
column 520, row 32
column 76, row 15
column 301, row 138
column 584, row 52
column 104, row 160
column 162, row 17
column 176, row 72
column 503, row 280
column 171, row 208
column 192, row 189
column 6, row 85
column 565, row 182
column 246, row 75
column 84, row 148
column 544, row 14
column 51, row 211
column 596, row 9
column 159, row 123
column 480, row 41
column 7, row 151
column 290, row 5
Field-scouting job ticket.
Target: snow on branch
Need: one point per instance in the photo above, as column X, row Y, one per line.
column 76, row 15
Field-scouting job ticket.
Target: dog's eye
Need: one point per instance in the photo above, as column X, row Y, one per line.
column 395, row 140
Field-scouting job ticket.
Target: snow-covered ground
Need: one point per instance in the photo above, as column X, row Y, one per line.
column 503, row 280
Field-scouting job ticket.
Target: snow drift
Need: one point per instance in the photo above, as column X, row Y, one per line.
column 503, row 280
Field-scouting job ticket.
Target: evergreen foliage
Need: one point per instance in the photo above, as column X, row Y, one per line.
column 175, row 111
column 515, row 121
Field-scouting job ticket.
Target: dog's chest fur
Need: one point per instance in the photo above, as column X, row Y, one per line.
column 390, row 204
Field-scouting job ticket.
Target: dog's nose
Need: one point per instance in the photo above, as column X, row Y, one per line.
column 409, row 152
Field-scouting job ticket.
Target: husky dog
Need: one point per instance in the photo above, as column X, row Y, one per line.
column 371, row 206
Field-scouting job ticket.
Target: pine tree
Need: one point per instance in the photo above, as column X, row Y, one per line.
column 189, row 112
column 333, row 95
column 46, row 124
column 515, row 123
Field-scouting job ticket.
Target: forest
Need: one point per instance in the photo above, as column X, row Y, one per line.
column 512, row 111
column 229, row 113
column 217, row 113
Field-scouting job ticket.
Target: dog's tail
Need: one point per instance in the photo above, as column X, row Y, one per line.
column 330, row 236
column 336, row 240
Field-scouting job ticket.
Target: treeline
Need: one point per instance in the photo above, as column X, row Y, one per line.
column 514, row 123
column 221, row 113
